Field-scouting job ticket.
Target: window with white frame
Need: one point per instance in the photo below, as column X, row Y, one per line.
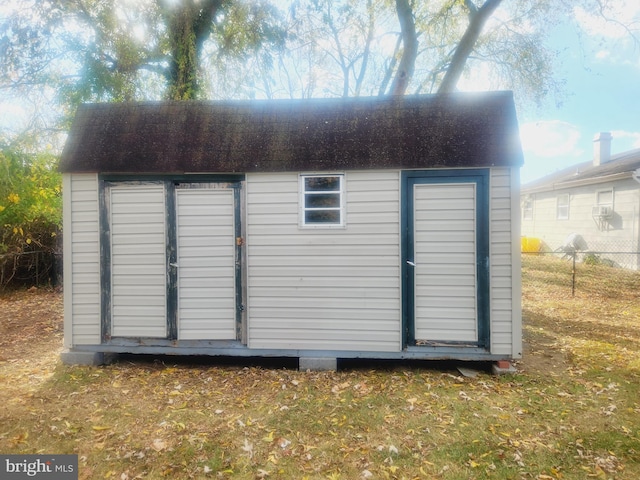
column 527, row 209
column 562, row 207
column 322, row 200
column 604, row 198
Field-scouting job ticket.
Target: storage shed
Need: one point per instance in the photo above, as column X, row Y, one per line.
column 318, row 229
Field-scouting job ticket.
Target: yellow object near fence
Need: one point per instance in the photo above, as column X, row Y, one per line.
column 530, row 244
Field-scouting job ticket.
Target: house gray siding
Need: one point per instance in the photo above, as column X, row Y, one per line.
column 504, row 265
column 81, row 260
column 619, row 233
column 324, row 288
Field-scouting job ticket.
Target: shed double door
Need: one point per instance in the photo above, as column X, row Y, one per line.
column 173, row 260
column 445, row 258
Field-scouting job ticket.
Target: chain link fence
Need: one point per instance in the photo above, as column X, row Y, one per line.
column 603, row 270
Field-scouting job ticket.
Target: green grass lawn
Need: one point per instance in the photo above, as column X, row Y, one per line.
column 571, row 412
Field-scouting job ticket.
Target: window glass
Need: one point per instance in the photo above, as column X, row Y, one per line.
column 322, row 200
column 604, row 198
column 527, row 209
column 322, row 216
column 563, row 207
column 322, row 184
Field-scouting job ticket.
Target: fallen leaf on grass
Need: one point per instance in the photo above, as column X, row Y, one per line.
column 282, row 442
column 248, row 447
column 158, row 445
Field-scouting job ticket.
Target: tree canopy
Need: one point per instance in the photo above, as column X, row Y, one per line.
column 58, row 53
column 55, row 54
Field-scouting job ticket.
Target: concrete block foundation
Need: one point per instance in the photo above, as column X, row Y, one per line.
column 73, row 357
column 317, row 364
column 503, row 367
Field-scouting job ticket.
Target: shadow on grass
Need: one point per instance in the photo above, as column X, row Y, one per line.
column 590, row 330
column 196, row 361
column 291, row 363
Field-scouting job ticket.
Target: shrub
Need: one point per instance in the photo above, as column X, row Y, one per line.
column 591, row 259
column 30, row 208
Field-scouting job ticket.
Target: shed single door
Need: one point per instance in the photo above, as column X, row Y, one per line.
column 138, row 244
column 446, row 259
column 171, row 260
column 206, row 263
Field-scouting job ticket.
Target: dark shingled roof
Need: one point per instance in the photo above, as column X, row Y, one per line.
column 423, row 131
column 621, row 164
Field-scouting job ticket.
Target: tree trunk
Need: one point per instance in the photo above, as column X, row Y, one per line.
column 410, row 48
column 367, row 49
column 477, row 19
column 189, row 26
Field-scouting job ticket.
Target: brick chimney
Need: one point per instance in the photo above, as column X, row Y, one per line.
column 601, row 148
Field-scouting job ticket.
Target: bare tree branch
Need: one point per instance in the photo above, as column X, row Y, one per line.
column 407, row 63
column 367, row 49
column 477, row 19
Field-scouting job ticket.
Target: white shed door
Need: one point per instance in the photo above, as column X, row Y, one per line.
column 206, row 263
column 138, row 260
column 445, row 303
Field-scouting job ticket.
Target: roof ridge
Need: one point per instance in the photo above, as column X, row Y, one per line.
column 620, row 163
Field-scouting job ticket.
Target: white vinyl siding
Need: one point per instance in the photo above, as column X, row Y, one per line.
column 138, row 260
column 206, row 264
column 620, row 232
column 81, row 260
column 324, row 289
column 335, row 289
column 504, row 313
column 445, row 258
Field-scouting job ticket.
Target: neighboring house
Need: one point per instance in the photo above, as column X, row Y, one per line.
column 318, row 229
column 598, row 200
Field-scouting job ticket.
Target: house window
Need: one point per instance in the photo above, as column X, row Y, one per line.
column 562, row 207
column 321, row 200
column 527, row 209
column 604, row 198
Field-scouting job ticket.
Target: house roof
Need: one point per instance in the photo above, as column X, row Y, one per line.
column 422, row 131
column 621, row 165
